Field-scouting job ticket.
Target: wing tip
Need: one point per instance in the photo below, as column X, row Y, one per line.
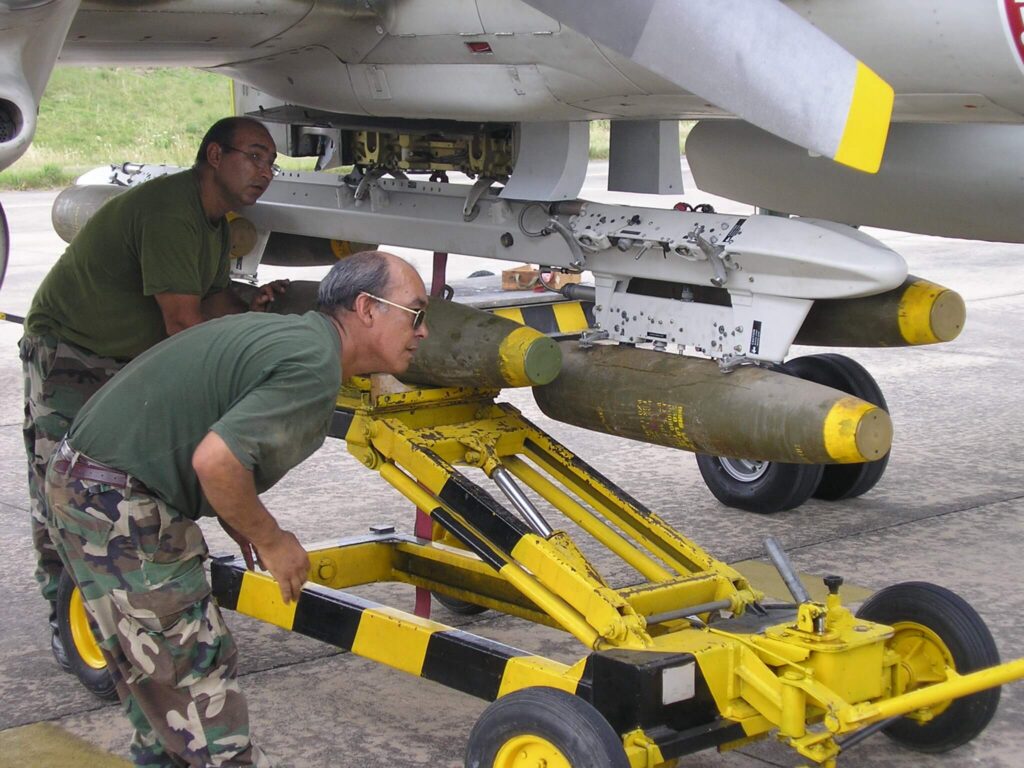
column 867, row 122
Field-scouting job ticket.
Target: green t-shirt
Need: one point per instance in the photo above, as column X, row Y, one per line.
column 266, row 384
column 151, row 239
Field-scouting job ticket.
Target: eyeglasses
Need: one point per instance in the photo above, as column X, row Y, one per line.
column 256, row 159
column 418, row 315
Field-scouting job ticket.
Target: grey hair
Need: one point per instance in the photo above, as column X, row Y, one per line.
column 363, row 272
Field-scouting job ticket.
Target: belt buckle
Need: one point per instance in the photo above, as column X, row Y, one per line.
column 65, row 451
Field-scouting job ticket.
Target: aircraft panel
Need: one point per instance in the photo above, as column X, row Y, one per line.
column 923, row 46
column 312, row 77
column 503, row 17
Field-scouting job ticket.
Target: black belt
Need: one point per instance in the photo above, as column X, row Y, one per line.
column 84, row 468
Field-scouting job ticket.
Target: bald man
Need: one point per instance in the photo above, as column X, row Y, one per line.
column 199, row 426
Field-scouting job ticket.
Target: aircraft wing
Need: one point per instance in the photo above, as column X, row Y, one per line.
column 755, row 58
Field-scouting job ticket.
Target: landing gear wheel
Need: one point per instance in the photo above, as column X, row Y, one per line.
column 759, row 486
column 935, row 628
column 461, row 607
column 87, row 661
column 767, row 487
column 5, row 244
column 543, row 726
column 843, row 481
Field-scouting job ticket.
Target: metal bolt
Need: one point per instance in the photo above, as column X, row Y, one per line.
column 507, row 240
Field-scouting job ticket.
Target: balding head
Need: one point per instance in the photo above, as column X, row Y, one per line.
column 376, row 297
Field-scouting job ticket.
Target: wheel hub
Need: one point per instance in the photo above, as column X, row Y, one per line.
column 745, row 470
column 530, row 751
column 924, row 659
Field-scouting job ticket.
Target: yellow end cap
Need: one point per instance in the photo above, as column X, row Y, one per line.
column 867, row 123
column 242, row 235
column 929, row 313
column 857, row 431
column 341, row 249
column 512, row 355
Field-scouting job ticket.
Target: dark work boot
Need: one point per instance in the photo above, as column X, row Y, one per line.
column 56, row 643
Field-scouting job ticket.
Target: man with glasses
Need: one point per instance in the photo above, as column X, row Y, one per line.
column 199, row 426
column 151, row 262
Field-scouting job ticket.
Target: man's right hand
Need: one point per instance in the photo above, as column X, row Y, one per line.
column 287, row 562
column 231, row 491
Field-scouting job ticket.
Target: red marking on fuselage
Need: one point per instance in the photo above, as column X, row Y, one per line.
column 1015, row 18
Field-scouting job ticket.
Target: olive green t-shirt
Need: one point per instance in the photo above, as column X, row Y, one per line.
column 152, row 239
column 266, row 384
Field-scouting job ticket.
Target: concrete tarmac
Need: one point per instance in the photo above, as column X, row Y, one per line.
column 949, row 510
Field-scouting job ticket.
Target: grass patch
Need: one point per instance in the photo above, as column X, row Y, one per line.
column 92, row 116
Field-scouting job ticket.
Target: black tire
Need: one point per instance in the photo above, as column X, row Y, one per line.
column 461, row 607
column 75, row 626
column 843, row 481
column 764, row 487
column 963, row 637
column 5, row 244
column 544, row 721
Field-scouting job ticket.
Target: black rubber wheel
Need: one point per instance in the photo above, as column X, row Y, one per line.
column 461, row 607
column 843, row 481
column 935, row 628
column 543, row 726
column 5, row 244
column 75, row 625
column 764, row 487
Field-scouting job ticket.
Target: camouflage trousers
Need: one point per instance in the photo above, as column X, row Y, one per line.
column 139, row 565
column 59, row 379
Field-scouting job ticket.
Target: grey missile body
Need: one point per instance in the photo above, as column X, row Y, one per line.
column 688, row 403
column 465, row 347
column 916, row 312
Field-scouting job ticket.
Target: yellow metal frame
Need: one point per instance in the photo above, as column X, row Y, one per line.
column 815, row 677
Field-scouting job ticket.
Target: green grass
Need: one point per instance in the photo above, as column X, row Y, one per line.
column 97, row 116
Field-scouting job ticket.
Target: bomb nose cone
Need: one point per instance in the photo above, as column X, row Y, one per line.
column 947, row 315
column 855, row 431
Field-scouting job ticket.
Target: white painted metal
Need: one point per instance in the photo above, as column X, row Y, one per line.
column 772, row 268
column 740, row 162
column 551, row 161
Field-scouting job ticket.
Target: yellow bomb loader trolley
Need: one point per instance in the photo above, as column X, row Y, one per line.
column 665, row 673
column 686, row 657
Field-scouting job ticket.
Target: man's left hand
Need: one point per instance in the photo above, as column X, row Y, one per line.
column 265, row 297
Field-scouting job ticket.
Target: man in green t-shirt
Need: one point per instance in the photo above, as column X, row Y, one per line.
column 200, row 425
column 150, row 263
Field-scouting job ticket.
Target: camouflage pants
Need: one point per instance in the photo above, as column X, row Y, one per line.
column 59, row 379
column 139, row 566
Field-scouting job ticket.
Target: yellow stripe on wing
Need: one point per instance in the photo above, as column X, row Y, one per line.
column 867, row 123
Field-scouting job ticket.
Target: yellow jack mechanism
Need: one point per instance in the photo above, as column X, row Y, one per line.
column 688, row 656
